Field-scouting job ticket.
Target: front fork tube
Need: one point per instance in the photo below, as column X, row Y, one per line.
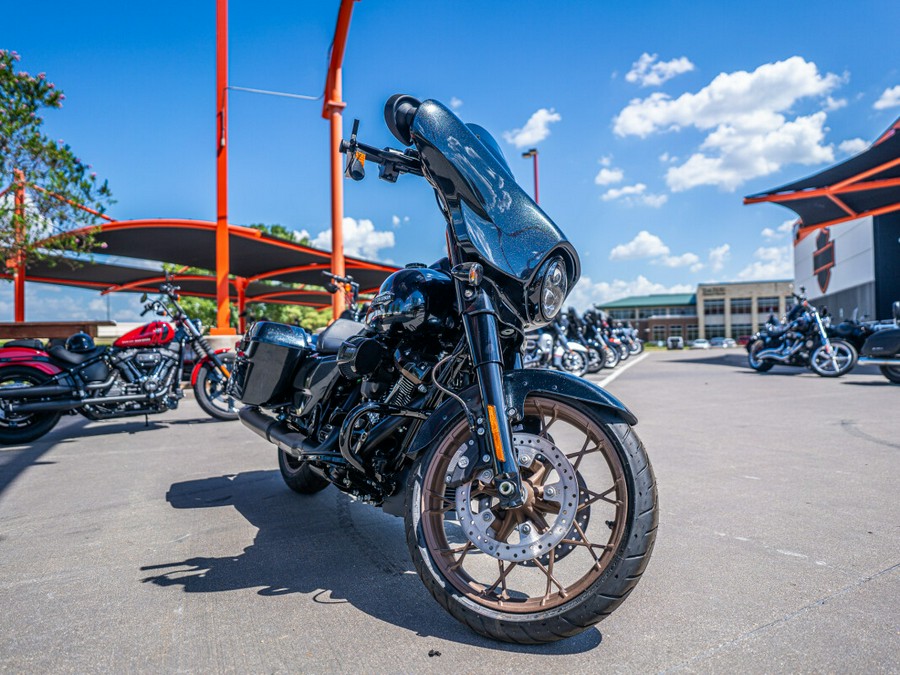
column 480, row 322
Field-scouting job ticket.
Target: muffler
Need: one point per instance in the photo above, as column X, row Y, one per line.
column 60, row 405
column 872, row 361
column 34, row 392
column 292, row 442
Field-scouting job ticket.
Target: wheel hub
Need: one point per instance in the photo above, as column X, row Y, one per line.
column 551, row 494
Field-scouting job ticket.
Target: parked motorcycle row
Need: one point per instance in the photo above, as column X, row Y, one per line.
column 807, row 338
column 580, row 344
column 140, row 374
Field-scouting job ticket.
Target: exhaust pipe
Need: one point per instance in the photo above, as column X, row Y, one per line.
column 43, row 406
column 873, row 361
column 292, row 442
column 34, row 392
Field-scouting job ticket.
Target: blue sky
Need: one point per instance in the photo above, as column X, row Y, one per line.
column 652, row 119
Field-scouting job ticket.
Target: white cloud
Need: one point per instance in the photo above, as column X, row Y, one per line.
column 683, row 260
column 634, row 194
column 890, row 98
column 456, row 103
column 606, row 161
column 536, row 129
column 835, row 103
column 771, row 262
column 853, row 146
column 644, row 245
column 744, row 115
column 360, row 239
column 718, row 256
column 648, row 71
column 588, row 292
column 609, row 176
column 397, row 221
column 783, row 230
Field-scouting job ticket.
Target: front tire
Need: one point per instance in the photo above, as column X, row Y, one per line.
column 298, row 476
column 835, row 364
column 26, row 427
column 596, row 360
column 892, row 373
column 583, row 556
column 209, row 390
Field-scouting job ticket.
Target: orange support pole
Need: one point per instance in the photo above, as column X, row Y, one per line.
column 332, row 110
column 19, row 262
column 240, row 284
column 223, row 312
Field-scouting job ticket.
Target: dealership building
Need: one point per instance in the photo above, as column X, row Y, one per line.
column 732, row 310
column 847, row 241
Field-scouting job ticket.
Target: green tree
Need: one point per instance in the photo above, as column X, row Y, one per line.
column 54, row 176
column 281, row 232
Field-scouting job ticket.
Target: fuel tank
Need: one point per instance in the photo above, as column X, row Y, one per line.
column 414, row 300
column 153, row 334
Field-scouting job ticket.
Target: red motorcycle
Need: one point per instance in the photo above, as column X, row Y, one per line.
column 140, row 374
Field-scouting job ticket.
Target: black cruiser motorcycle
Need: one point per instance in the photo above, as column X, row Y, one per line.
column 529, row 502
column 802, row 341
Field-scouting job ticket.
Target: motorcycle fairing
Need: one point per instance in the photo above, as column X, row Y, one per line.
column 492, row 218
column 517, row 385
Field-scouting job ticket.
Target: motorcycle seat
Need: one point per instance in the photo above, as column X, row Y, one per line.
column 63, row 355
column 30, row 343
column 331, row 339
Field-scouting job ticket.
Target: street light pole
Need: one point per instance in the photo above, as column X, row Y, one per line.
column 533, row 153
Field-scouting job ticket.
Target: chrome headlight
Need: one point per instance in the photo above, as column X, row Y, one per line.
column 554, row 287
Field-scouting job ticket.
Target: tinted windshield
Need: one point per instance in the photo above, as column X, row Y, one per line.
column 490, row 214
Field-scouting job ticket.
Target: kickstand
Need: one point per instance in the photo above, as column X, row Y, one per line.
column 146, row 420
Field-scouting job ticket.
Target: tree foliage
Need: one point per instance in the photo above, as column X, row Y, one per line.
column 54, row 176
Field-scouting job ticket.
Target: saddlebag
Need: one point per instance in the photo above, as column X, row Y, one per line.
column 882, row 343
column 267, row 360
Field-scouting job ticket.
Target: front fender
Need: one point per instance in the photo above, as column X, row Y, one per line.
column 197, row 366
column 517, row 385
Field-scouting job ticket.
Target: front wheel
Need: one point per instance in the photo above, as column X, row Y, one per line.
column 560, row 563
column 16, row 429
column 574, row 362
column 612, row 356
column 595, row 360
column 636, row 347
column 892, row 373
column 833, row 362
column 209, row 390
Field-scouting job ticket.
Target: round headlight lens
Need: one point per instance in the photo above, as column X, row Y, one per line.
column 553, row 289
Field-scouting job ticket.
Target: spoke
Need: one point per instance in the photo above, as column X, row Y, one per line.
column 589, row 545
column 553, row 419
column 505, row 526
column 446, row 504
column 550, row 579
column 578, row 456
column 501, row 580
column 549, row 576
column 598, row 496
column 536, row 518
column 465, row 549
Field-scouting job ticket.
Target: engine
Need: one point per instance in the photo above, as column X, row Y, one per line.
column 143, row 371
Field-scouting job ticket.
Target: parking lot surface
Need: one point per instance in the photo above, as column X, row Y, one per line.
column 177, row 547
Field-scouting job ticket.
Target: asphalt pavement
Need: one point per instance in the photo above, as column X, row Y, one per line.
column 175, row 546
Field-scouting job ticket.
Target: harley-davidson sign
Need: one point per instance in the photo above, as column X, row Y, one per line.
column 823, row 258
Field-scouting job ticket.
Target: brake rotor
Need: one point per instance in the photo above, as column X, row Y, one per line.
column 529, row 539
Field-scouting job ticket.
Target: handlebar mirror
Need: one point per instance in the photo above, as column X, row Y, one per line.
column 143, row 297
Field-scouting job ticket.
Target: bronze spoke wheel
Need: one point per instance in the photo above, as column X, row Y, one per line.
column 557, row 552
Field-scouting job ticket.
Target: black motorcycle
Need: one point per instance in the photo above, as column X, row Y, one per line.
column 802, row 341
column 882, row 347
column 529, row 503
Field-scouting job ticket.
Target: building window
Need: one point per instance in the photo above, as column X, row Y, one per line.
column 741, row 305
column 711, row 307
column 659, row 333
column 741, row 330
column 766, row 306
column 693, row 332
column 715, row 331
column 621, row 314
column 675, row 329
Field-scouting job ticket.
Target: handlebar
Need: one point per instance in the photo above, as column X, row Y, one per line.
column 393, row 162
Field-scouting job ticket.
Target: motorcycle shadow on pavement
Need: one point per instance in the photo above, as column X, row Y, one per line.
column 327, row 547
